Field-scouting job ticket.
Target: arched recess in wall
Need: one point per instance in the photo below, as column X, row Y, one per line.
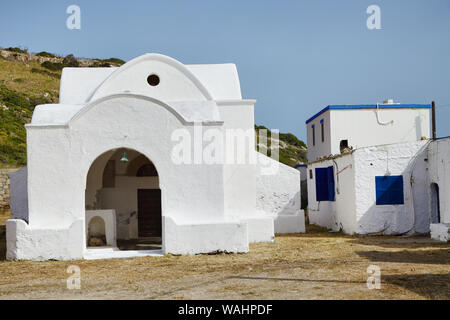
column 130, row 187
column 96, row 233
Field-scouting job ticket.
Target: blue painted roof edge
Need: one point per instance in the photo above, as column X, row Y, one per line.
column 369, row 106
column 299, row 165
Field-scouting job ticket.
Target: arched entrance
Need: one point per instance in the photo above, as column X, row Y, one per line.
column 435, row 208
column 122, row 190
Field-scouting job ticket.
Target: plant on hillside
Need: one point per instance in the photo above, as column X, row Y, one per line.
column 17, row 50
column 68, row 61
column 15, row 111
column 46, row 54
column 292, row 151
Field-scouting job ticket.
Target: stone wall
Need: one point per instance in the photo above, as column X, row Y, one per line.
column 4, row 187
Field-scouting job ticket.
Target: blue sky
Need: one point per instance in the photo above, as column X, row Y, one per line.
column 295, row 57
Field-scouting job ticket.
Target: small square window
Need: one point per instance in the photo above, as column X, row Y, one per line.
column 310, row 174
column 389, row 190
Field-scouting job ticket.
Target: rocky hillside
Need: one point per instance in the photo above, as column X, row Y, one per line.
column 292, row 151
column 27, row 80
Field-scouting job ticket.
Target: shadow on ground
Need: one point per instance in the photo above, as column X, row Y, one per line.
column 433, row 256
column 2, row 243
column 4, row 215
column 430, row 286
column 296, row 279
column 400, row 242
column 385, row 241
column 313, row 231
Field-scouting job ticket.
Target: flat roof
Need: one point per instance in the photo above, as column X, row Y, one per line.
column 368, row 106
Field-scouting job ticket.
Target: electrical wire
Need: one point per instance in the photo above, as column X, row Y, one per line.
column 378, row 118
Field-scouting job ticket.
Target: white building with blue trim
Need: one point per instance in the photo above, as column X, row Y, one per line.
column 368, row 170
column 337, row 127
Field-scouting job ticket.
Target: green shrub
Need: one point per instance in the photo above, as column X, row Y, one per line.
column 46, row 54
column 53, row 66
column 291, row 139
column 13, row 135
column 13, row 154
column 115, row 61
column 45, row 72
column 70, row 61
column 17, row 49
column 34, row 101
column 100, row 64
column 12, row 98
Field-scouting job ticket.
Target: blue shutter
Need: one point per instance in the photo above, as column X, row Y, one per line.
column 330, row 182
column 389, row 190
column 321, row 184
column 325, row 184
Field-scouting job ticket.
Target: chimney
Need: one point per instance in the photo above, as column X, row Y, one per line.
column 433, row 120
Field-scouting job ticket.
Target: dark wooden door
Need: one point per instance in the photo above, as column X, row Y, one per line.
column 149, row 213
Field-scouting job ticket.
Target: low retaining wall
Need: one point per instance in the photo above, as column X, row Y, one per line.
column 4, row 187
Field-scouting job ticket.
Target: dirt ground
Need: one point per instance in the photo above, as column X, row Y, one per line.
column 315, row 265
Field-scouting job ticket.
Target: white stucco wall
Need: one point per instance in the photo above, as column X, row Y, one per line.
column 339, row 214
column 221, row 80
column 78, row 84
column 189, row 239
column 361, row 128
column 240, row 172
column 440, row 231
column 354, row 209
column 241, row 169
column 319, row 148
column 404, row 159
column 439, row 173
column 19, row 194
column 278, row 196
column 27, row 243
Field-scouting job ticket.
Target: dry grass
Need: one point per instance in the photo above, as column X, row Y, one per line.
column 18, row 76
column 315, row 265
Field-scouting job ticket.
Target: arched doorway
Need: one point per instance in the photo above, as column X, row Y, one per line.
column 435, row 207
column 122, row 187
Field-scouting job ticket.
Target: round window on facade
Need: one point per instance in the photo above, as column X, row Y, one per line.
column 153, row 80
